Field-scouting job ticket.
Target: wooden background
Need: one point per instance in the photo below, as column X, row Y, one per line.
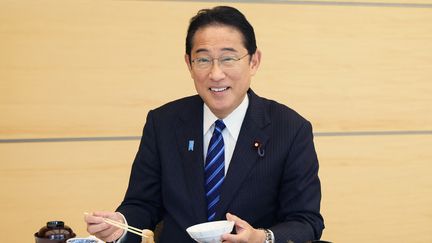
column 90, row 69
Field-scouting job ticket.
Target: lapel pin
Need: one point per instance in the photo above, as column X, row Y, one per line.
column 256, row 144
column 258, row 147
column 191, row 145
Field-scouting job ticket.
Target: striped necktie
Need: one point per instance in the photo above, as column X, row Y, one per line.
column 214, row 169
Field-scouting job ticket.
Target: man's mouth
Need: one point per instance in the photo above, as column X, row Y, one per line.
column 219, row 89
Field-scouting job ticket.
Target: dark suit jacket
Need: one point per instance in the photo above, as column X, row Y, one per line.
column 279, row 190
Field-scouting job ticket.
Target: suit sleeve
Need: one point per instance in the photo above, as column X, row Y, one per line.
column 300, row 192
column 142, row 203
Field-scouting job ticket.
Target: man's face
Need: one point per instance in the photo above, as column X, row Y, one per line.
column 222, row 85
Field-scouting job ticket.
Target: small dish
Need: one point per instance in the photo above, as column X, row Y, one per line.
column 83, row 240
column 210, row 232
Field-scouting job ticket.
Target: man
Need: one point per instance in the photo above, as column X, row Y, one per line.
column 224, row 153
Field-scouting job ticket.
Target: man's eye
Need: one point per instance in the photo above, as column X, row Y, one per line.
column 227, row 59
column 202, row 60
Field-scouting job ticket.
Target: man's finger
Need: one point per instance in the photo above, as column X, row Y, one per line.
column 238, row 221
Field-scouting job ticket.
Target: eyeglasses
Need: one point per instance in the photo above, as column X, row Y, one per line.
column 224, row 62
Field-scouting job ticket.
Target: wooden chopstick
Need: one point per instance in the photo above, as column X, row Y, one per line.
column 148, row 234
column 125, row 227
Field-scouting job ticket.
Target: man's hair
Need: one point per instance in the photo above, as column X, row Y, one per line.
column 224, row 16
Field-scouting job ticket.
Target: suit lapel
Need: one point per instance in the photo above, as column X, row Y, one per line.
column 190, row 144
column 245, row 156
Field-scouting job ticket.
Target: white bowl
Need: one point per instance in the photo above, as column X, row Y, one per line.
column 82, row 240
column 210, row 232
column 90, row 239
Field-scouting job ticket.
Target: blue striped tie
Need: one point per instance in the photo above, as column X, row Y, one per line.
column 214, row 169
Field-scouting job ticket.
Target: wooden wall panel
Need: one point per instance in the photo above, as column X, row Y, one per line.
column 95, row 68
column 376, row 188
column 92, row 69
column 60, row 181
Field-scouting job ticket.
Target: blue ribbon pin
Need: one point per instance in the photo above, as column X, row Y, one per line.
column 191, row 145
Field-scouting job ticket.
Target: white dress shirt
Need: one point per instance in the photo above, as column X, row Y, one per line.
column 233, row 123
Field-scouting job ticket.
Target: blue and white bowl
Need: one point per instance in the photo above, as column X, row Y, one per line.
column 210, row 232
column 82, row 240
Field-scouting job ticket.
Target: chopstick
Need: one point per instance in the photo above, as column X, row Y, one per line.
column 148, row 236
column 124, row 226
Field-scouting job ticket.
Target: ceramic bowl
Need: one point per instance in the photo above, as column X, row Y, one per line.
column 82, row 240
column 210, row 232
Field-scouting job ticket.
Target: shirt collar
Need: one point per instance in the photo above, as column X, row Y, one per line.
column 233, row 121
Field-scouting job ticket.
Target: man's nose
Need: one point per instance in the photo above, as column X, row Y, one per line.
column 216, row 72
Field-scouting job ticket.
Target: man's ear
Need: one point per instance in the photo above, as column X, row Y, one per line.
column 188, row 61
column 255, row 62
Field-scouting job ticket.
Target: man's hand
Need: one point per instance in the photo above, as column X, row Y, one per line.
column 245, row 232
column 96, row 225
